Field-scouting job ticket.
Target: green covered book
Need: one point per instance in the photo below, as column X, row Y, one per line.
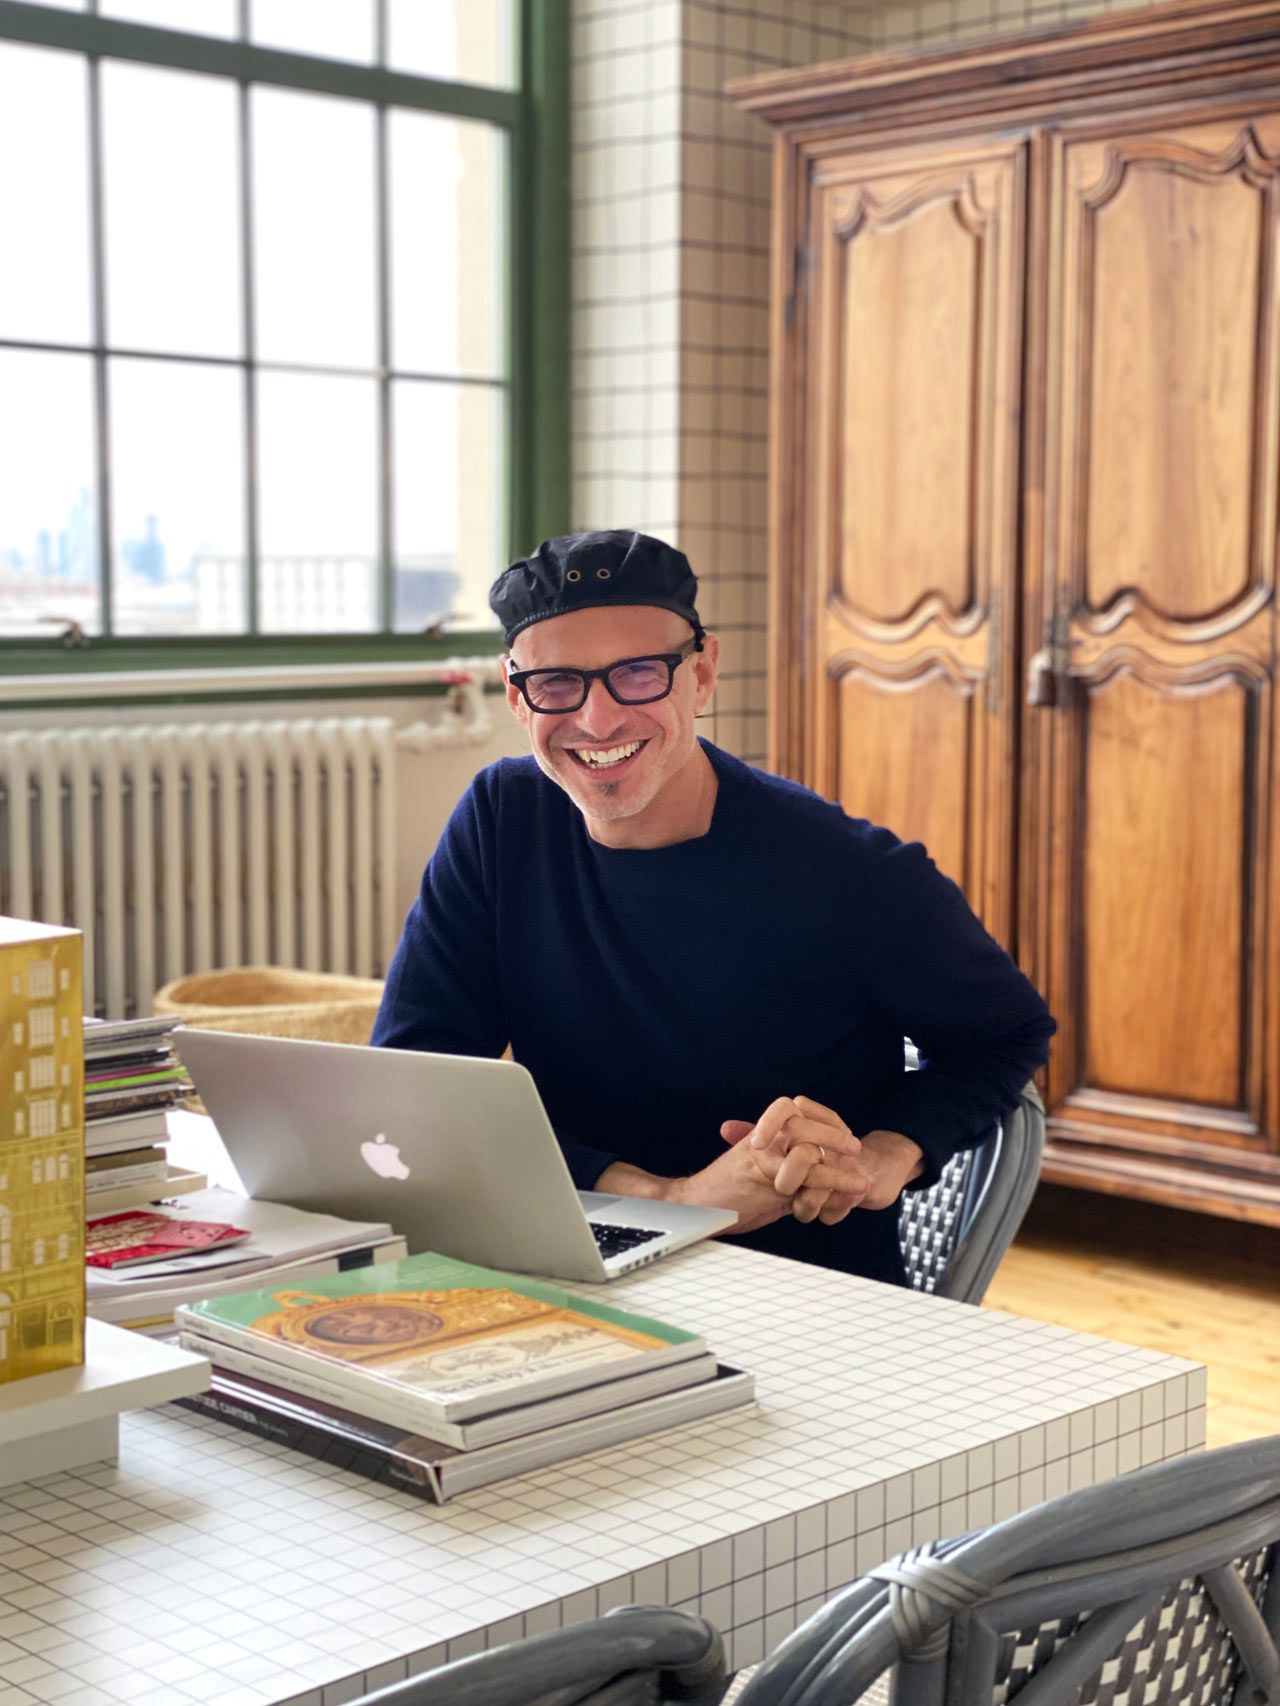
column 460, row 1341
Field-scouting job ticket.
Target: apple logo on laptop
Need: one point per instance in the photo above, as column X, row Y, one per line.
column 383, row 1158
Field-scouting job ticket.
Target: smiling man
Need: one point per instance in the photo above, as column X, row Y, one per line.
column 708, row 970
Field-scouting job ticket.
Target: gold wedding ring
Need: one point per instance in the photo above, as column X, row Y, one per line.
column 822, row 1156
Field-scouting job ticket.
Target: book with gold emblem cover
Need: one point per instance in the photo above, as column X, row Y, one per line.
column 455, row 1341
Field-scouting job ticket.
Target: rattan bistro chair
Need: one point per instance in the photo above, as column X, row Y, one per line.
column 1157, row 1589
column 635, row 1656
column 954, row 1234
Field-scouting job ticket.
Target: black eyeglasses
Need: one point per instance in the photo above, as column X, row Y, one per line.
column 631, row 681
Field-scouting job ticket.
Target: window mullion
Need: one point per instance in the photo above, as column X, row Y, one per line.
column 106, row 602
column 183, row 51
column 386, row 429
column 252, row 589
column 539, row 287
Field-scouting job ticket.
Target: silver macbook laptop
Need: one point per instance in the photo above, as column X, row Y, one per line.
column 456, row 1153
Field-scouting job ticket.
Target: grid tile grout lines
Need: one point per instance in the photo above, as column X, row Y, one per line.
column 212, row 1566
column 671, row 264
column 671, row 191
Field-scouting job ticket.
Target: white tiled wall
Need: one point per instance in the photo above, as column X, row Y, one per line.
column 671, row 190
column 671, row 287
column 934, row 23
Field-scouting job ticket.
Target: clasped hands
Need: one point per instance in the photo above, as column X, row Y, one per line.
column 801, row 1159
column 798, row 1158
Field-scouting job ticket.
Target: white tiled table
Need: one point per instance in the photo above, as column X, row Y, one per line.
column 210, row 1566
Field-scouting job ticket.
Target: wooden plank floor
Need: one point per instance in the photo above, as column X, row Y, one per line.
column 1185, row 1283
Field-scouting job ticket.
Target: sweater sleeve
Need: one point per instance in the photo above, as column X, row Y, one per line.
column 585, row 1163
column 937, row 977
column 443, row 993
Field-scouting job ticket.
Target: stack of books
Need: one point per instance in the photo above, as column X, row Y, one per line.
column 131, row 1078
column 145, row 1263
column 437, row 1376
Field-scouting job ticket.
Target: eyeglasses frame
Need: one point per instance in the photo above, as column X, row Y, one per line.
column 519, row 678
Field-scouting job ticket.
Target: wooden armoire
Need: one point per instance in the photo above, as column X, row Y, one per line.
column 1026, row 436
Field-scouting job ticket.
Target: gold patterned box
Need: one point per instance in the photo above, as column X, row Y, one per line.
column 41, row 1149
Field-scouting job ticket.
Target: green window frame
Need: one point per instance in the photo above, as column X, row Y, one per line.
column 534, row 114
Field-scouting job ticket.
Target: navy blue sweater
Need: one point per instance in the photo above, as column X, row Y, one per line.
column 654, row 993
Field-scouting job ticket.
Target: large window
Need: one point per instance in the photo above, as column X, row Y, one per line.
column 260, row 327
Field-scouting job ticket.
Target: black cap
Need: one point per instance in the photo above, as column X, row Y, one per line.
column 585, row 569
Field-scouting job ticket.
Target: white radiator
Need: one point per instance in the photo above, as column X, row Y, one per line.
column 182, row 847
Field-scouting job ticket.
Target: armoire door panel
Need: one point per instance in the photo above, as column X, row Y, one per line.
column 911, row 358
column 904, row 754
column 1174, row 325
column 1169, row 306
column 915, row 305
column 1160, row 578
column 1166, row 868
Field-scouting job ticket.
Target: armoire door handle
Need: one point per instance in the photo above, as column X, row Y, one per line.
column 1042, row 681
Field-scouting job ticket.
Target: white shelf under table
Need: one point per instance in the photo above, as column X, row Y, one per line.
column 70, row 1417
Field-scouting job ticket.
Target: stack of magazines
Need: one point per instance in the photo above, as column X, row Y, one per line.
column 131, row 1078
column 437, row 1376
column 144, row 1263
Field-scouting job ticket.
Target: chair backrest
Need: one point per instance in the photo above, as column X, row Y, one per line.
column 636, row 1655
column 954, row 1234
column 1156, row 1589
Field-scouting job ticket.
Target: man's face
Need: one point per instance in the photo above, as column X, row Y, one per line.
column 616, row 761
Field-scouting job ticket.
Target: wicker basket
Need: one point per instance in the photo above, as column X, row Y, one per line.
column 273, row 1001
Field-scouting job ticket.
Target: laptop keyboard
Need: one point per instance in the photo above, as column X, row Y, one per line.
column 613, row 1240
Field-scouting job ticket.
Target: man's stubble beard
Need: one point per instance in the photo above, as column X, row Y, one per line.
column 599, row 796
column 600, row 789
